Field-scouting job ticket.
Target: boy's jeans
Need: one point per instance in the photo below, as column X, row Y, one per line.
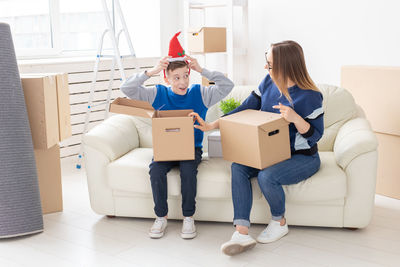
column 297, row 168
column 158, row 176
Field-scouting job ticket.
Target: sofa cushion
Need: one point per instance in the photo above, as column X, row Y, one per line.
column 214, row 180
column 131, row 173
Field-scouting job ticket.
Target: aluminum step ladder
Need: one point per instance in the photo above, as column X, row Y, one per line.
column 116, row 58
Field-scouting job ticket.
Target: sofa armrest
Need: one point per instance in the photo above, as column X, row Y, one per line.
column 114, row 137
column 354, row 138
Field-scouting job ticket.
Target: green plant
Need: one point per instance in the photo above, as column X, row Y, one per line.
column 228, row 105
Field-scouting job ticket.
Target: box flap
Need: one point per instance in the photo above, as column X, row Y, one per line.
column 132, row 107
column 196, row 31
column 172, row 113
column 252, row 117
column 266, row 121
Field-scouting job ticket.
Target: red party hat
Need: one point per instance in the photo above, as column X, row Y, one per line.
column 176, row 51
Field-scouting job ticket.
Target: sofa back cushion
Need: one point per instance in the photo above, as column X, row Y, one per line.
column 143, row 127
column 338, row 104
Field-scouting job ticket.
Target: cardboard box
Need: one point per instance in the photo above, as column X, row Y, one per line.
column 376, row 90
column 255, row 138
column 49, row 175
column 214, row 145
column 207, row 39
column 40, row 93
column 173, row 131
column 388, row 177
column 64, row 109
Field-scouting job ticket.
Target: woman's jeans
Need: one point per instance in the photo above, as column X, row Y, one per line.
column 296, row 169
column 158, row 176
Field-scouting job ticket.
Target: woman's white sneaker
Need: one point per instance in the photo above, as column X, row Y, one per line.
column 273, row 232
column 188, row 228
column 158, row 228
column 238, row 244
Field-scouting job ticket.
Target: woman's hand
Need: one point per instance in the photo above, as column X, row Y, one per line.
column 162, row 65
column 203, row 126
column 194, row 64
column 291, row 116
column 287, row 113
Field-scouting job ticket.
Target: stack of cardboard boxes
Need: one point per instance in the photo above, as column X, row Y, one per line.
column 377, row 91
column 47, row 103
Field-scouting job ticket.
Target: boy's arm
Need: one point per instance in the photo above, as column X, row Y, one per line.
column 134, row 89
column 214, row 93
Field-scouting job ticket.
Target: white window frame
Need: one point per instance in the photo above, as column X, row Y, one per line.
column 49, row 52
column 55, row 31
column 56, row 41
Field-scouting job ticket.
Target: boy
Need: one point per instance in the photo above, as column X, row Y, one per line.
column 177, row 96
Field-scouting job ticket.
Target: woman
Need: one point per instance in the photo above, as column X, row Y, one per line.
column 289, row 90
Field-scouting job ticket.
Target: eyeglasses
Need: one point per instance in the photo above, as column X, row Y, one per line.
column 268, row 64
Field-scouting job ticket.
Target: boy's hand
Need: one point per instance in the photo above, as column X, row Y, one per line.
column 203, row 126
column 193, row 64
column 162, row 65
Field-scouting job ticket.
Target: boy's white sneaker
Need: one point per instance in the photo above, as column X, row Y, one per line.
column 273, row 232
column 188, row 228
column 238, row 244
column 158, row 228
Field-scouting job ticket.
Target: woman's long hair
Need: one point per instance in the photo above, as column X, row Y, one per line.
column 289, row 64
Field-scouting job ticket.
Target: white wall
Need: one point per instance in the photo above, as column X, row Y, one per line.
column 171, row 19
column 332, row 34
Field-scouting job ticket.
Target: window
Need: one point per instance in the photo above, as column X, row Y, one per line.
column 43, row 28
column 30, row 23
column 81, row 25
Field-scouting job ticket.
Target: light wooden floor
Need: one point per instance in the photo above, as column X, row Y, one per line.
column 79, row 237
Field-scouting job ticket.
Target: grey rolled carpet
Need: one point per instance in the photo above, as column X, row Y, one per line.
column 20, row 208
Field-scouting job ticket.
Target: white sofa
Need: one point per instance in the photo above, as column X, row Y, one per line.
column 341, row 194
